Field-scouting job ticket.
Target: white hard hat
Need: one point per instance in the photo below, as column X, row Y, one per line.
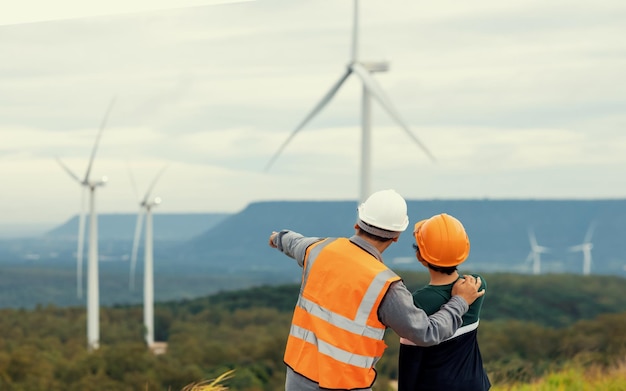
column 386, row 210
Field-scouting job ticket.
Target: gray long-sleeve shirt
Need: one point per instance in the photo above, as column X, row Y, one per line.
column 396, row 310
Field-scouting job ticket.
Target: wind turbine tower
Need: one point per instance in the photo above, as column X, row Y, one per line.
column 585, row 247
column 535, row 252
column 93, row 290
column 145, row 210
column 363, row 70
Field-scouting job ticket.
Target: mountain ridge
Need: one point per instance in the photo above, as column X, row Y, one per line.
column 498, row 231
column 237, row 242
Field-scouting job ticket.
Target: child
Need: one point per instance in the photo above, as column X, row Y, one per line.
column 455, row 364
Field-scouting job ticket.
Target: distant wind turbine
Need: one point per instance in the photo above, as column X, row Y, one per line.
column 585, row 247
column 535, row 252
column 93, row 300
column 145, row 211
column 363, row 71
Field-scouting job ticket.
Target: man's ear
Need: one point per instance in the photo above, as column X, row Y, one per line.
column 395, row 239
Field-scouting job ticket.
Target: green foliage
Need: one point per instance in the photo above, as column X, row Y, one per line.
column 555, row 300
column 45, row 348
column 281, row 297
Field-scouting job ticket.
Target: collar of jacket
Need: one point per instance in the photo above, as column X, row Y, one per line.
column 367, row 246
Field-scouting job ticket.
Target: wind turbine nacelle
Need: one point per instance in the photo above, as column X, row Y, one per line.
column 94, row 184
column 149, row 204
column 102, row 181
column 378, row 66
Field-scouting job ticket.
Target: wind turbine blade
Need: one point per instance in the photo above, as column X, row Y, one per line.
column 329, row 95
column 154, row 182
column 133, row 257
column 355, row 33
column 529, row 257
column 132, row 180
column 589, row 233
column 378, row 93
column 95, row 147
column 575, row 248
column 532, row 239
column 81, row 243
column 67, row 169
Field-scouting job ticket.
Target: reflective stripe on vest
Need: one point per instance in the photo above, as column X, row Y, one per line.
column 311, row 257
column 354, row 345
column 332, row 351
column 358, row 325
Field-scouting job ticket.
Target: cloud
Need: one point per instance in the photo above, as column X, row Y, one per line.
column 35, row 11
column 515, row 99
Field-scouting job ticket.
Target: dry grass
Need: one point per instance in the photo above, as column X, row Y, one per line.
column 211, row 385
column 576, row 379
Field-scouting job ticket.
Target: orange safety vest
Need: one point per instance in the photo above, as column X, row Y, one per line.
column 336, row 338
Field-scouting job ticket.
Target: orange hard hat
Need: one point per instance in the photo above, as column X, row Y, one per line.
column 442, row 240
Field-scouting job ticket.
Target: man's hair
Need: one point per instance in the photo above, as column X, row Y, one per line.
column 372, row 236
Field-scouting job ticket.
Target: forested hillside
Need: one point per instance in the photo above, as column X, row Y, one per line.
column 530, row 326
column 555, row 300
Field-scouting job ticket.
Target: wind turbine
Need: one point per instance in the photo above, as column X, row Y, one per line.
column 145, row 211
column 363, row 70
column 535, row 252
column 93, row 300
column 585, row 247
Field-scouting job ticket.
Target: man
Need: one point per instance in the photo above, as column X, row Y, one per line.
column 441, row 245
column 348, row 298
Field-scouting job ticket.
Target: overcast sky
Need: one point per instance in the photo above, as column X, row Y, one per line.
column 516, row 99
